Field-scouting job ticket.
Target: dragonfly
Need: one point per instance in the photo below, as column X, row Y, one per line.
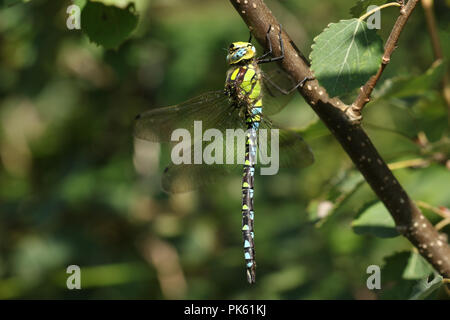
column 249, row 97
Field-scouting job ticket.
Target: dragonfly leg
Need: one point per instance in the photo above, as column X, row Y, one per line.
column 287, row 92
column 269, row 43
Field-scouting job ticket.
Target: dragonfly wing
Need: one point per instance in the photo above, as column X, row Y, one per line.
column 188, row 177
column 293, row 151
column 212, row 108
column 215, row 111
column 212, row 157
column 276, row 83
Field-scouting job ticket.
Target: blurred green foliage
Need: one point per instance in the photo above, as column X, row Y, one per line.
column 75, row 188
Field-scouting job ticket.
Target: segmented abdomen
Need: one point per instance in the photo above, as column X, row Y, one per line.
column 247, row 204
column 244, row 83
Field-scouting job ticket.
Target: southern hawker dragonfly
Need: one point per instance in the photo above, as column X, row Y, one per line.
column 250, row 95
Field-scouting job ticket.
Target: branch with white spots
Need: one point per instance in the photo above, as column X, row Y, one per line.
column 409, row 220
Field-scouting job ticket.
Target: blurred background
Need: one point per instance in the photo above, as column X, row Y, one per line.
column 77, row 189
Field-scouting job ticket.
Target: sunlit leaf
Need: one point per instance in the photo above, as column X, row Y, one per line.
column 417, row 267
column 376, row 221
column 345, row 55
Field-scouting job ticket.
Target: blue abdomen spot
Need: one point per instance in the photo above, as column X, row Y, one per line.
column 257, row 110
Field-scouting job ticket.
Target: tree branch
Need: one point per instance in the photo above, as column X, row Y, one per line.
column 409, row 220
column 391, row 44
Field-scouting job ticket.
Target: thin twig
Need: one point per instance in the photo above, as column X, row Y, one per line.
column 409, row 220
column 391, row 44
column 409, row 163
column 444, row 212
column 371, row 12
column 441, row 224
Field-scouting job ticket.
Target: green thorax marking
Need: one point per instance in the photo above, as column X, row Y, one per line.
column 243, row 85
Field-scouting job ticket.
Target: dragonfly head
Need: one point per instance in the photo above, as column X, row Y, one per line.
column 239, row 51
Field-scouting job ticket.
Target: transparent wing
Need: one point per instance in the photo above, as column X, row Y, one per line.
column 212, row 108
column 275, row 84
column 188, row 177
column 218, row 157
column 293, row 151
column 214, row 111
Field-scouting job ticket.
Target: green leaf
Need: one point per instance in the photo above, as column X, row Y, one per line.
column 393, row 286
column 417, row 267
column 394, row 266
column 345, row 55
column 394, row 283
column 343, row 187
column 412, row 86
column 315, row 129
column 361, row 7
column 375, row 220
column 424, row 288
column 106, row 25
